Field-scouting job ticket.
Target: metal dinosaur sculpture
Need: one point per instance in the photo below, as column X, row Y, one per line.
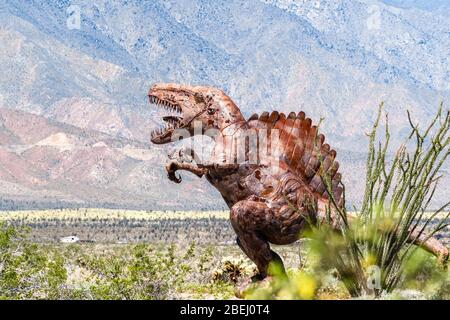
column 272, row 184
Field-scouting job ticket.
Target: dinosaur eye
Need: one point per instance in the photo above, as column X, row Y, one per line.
column 211, row 110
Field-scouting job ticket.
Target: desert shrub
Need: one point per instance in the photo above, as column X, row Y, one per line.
column 204, row 260
column 77, row 271
column 147, row 274
column 27, row 272
column 232, row 269
column 422, row 274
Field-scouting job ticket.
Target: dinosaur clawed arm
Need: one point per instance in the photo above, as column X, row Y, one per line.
column 173, row 166
column 183, row 159
column 218, row 163
column 221, row 168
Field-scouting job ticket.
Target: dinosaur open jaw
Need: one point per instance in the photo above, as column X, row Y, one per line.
column 171, row 122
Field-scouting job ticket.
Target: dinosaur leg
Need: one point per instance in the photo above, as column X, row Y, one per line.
column 249, row 220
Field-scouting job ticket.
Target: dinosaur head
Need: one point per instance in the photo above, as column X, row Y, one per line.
column 190, row 106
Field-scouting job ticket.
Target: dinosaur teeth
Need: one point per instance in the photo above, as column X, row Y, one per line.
column 170, row 124
column 166, row 105
column 172, row 121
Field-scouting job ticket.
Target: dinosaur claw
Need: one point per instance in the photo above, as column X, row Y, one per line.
column 172, row 177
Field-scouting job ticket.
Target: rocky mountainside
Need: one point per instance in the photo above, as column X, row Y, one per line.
column 74, row 119
column 52, row 164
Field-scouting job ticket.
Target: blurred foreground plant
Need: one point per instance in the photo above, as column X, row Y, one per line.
column 373, row 250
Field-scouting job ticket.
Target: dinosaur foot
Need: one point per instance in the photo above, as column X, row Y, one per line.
column 246, row 285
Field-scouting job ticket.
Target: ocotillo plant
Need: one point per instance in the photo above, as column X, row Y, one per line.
column 397, row 196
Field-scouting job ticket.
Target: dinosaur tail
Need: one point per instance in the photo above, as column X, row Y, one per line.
column 421, row 239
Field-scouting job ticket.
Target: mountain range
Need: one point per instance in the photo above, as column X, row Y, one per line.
column 74, row 116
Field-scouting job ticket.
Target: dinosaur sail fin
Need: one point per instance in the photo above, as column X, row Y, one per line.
column 303, row 150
